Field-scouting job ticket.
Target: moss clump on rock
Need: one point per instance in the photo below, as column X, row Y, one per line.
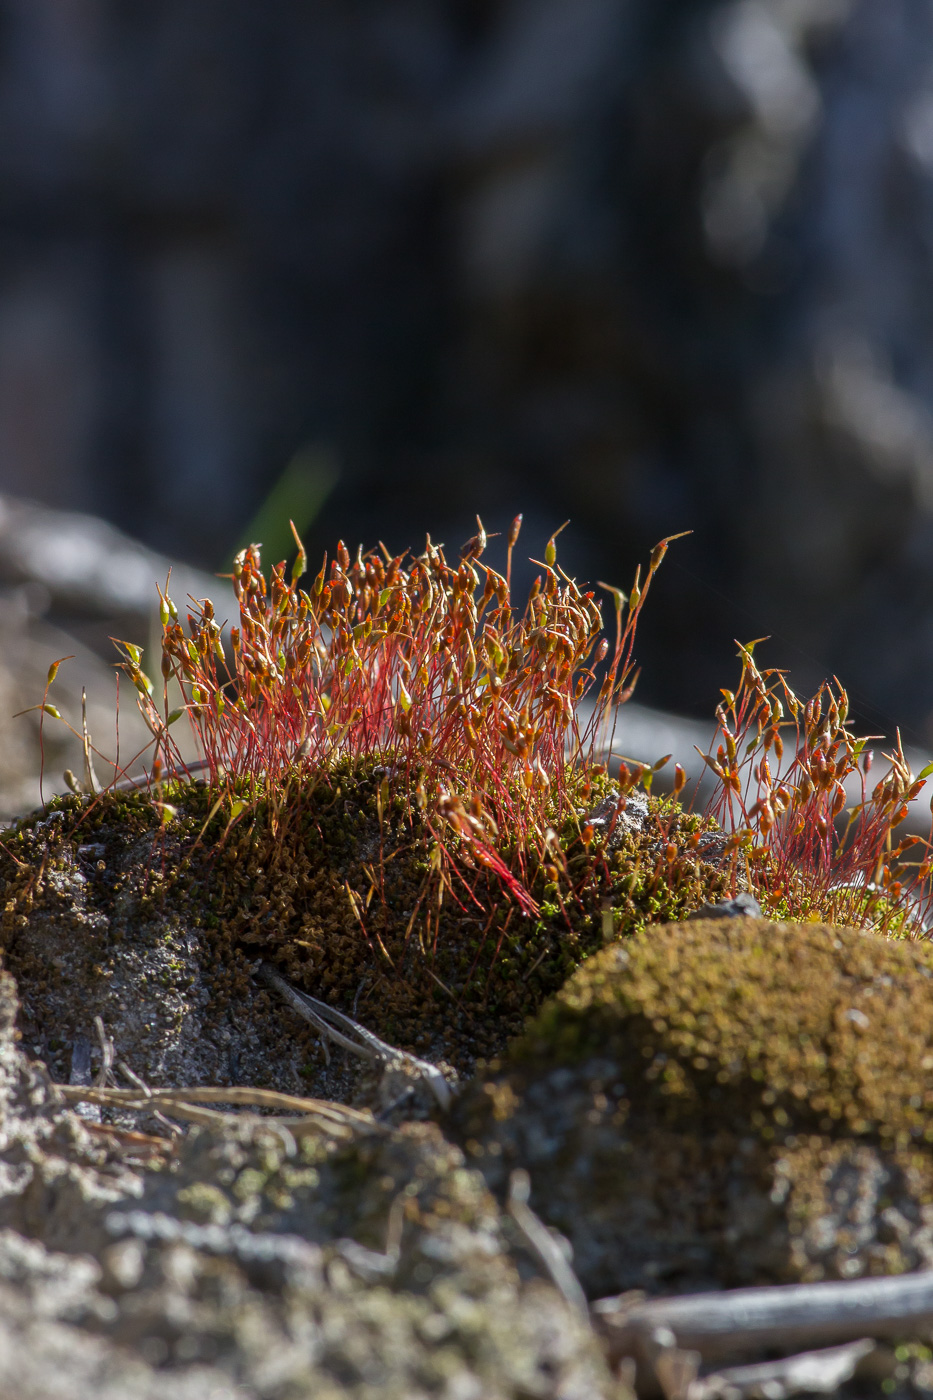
column 155, row 917
column 722, row 1102
column 776, row 1027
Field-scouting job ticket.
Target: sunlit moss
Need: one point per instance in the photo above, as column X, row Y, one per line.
column 339, row 888
column 774, row 1026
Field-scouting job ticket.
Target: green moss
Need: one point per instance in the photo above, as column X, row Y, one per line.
column 720, row 1103
column 744, row 1022
column 334, row 881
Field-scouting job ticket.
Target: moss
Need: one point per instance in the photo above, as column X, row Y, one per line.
column 775, row 1025
column 337, row 887
column 720, row 1103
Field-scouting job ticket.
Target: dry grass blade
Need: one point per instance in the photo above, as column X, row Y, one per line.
column 313, row 1113
column 367, row 1046
column 546, row 1249
column 129, row 1140
column 332, row 1024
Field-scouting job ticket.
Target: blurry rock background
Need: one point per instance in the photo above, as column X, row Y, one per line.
column 69, row 583
column 650, row 266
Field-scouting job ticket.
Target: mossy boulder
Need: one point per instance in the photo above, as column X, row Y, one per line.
column 155, row 918
column 726, row 1101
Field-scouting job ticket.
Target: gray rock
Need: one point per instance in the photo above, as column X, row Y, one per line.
column 644, row 1139
column 379, row 1267
column 743, row 906
column 83, row 570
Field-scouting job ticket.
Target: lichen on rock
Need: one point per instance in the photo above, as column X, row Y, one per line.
column 379, row 1267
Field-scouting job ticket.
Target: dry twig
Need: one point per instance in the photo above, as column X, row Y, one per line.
column 812, row 1372
column 750, row 1319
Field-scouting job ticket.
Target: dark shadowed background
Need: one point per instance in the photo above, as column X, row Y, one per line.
column 652, row 265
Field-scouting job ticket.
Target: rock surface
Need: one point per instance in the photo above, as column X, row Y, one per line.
column 706, row 1104
column 379, row 1268
column 69, row 584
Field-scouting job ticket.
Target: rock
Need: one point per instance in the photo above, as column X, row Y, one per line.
column 28, row 646
column 744, row 906
column 383, row 1267
column 90, row 572
column 54, row 1178
column 721, row 1101
column 157, row 919
column 725, row 1102
column 69, row 583
column 110, row 946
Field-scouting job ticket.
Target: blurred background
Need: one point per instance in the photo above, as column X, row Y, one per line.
column 379, row 266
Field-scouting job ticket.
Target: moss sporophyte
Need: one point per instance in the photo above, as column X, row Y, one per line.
column 396, row 785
